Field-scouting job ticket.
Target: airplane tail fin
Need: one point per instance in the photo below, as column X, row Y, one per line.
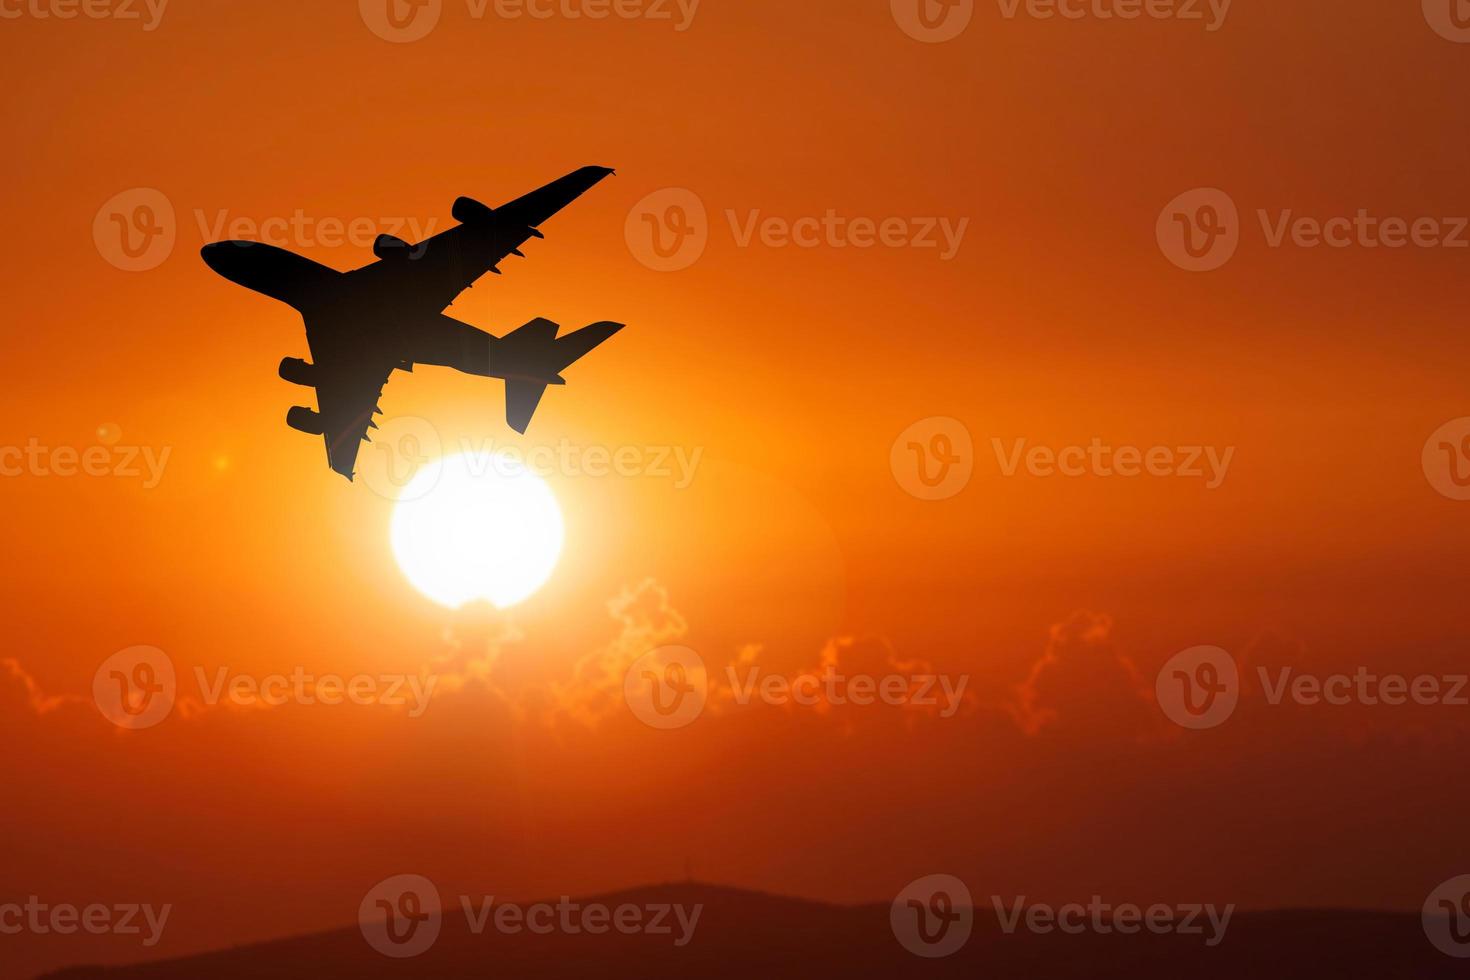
column 539, row 357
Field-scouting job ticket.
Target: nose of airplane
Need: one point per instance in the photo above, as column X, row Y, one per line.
column 269, row 269
column 214, row 256
column 229, row 259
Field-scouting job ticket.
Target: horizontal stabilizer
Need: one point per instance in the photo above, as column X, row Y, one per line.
column 538, row 332
column 573, row 347
column 539, row 357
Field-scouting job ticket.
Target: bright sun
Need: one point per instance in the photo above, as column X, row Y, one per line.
column 477, row 526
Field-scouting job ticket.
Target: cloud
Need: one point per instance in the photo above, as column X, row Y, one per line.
column 22, row 691
column 479, row 669
column 1079, row 683
column 1082, row 684
column 592, row 693
column 474, row 646
column 647, row 620
column 855, row 681
column 472, row 665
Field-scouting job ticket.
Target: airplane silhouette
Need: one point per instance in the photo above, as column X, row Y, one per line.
column 363, row 325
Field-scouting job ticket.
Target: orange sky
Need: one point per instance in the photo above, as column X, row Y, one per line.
column 791, row 371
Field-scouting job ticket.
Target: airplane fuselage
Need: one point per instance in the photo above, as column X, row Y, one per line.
column 344, row 311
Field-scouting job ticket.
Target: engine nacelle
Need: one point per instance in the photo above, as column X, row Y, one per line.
column 305, row 420
column 390, row 247
column 468, row 211
column 298, row 372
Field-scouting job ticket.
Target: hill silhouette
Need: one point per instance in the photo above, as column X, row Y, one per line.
column 744, row 934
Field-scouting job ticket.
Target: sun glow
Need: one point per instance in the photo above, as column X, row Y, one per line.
column 477, row 526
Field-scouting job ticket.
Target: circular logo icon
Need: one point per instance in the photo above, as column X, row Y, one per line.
column 401, row 448
column 1199, row 688
column 401, row 916
column 401, row 21
column 933, row 916
column 135, row 688
column 1199, row 230
column 933, row 21
column 1446, row 459
column 1449, row 18
column 934, row 458
column 667, row 688
column 1447, row 917
column 135, row 230
column 668, row 230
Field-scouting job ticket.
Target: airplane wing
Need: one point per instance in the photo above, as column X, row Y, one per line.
column 349, row 374
column 347, row 404
column 437, row 270
column 539, row 205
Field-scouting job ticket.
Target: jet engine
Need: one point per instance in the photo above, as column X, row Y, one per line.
column 298, row 372
column 305, row 420
column 468, row 211
column 390, row 247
